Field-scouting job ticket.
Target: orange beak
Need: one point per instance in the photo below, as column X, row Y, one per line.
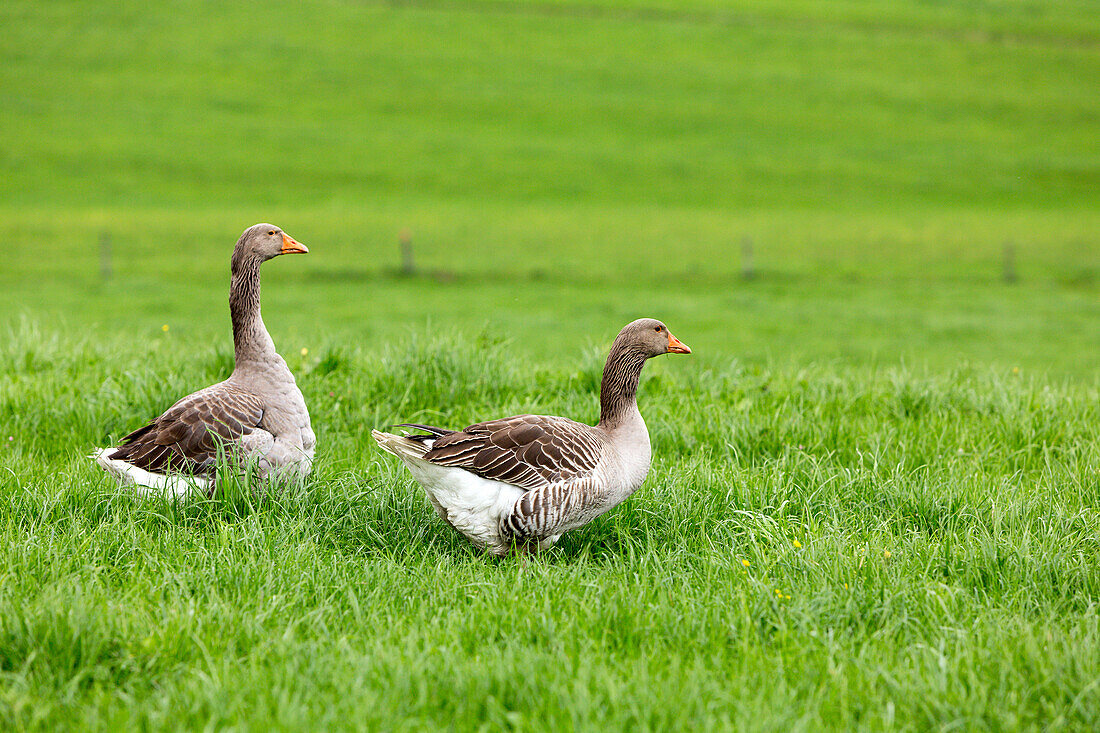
column 676, row 346
column 291, row 246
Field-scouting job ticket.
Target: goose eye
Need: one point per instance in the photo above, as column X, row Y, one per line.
column 657, row 329
column 271, row 234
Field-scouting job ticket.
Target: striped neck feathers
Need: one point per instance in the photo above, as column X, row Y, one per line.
column 251, row 341
column 619, row 387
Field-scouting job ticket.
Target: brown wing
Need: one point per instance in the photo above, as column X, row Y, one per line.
column 528, row 451
column 185, row 437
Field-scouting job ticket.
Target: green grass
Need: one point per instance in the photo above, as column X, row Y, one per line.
column 904, row 448
column 947, row 570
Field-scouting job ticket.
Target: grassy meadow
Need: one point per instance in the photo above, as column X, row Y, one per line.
column 875, row 498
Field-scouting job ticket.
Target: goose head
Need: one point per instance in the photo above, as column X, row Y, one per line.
column 649, row 337
column 261, row 242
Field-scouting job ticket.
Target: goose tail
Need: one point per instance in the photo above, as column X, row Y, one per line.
column 400, row 445
column 127, row 474
column 117, row 469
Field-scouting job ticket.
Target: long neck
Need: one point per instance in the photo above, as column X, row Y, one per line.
column 251, row 341
column 619, row 388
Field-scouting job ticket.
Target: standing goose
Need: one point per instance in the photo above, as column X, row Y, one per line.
column 522, row 481
column 258, row 414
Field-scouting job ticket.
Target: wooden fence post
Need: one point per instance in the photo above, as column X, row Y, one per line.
column 1009, row 273
column 748, row 268
column 105, row 265
column 408, row 267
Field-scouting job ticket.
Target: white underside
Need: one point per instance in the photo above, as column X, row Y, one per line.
column 471, row 504
column 147, row 482
column 273, row 459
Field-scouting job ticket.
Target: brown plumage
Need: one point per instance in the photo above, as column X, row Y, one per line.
column 257, row 413
column 185, row 437
column 522, row 481
column 527, row 451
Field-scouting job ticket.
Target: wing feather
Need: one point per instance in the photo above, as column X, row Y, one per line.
column 528, row 451
column 186, row 436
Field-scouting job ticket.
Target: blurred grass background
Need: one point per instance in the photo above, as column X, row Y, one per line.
column 566, row 166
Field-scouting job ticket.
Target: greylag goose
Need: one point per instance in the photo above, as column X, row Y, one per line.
column 257, row 414
column 520, row 482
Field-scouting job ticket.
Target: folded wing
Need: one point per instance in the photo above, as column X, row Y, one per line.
column 528, row 451
column 186, row 436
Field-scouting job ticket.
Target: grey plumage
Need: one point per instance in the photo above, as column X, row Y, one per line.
column 565, row 473
column 258, row 412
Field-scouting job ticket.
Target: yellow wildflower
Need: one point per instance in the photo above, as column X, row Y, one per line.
column 745, row 563
column 164, row 328
column 886, row 554
column 797, row 545
column 304, row 351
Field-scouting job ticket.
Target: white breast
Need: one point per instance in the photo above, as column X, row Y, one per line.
column 286, row 415
column 628, row 459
